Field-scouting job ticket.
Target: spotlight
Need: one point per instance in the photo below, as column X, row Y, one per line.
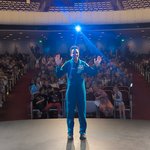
column 78, row 28
column 122, row 40
column 40, row 41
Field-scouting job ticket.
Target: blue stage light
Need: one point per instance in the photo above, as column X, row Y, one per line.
column 40, row 41
column 78, row 28
column 122, row 40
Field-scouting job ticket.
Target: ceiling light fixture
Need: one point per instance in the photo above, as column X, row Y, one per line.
column 77, row 28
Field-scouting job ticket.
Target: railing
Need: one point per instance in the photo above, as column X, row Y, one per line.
column 144, row 72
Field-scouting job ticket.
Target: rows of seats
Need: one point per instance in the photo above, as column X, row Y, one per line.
column 46, row 78
column 20, row 6
column 143, row 67
column 92, row 109
column 111, row 73
column 135, row 4
column 126, row 95
column 86, row 6
column 11, row 69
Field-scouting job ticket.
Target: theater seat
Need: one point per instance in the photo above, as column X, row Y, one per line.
column 91, row 109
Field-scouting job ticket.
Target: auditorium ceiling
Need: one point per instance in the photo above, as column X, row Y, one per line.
column 97, row 32
column 72, row 5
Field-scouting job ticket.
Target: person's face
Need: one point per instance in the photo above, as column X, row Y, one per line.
column 46, row 83
column 115, row 90
column 75, row 54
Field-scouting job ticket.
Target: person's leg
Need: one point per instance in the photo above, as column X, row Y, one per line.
column 120, row 111
column 48, row 106
column 70, row 109
column 123, row 110
column 81, row 104
column 110, row 108
column 58, row 107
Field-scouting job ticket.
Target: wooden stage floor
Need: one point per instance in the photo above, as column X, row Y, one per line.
column 50, row 134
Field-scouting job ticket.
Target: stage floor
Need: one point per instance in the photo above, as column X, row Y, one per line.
column 50, row 134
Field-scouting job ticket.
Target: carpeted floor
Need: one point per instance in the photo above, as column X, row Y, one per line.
column 141, row 97
column 16, row 106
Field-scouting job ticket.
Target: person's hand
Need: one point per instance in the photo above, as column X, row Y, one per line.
column 97, row 61
column 58, row 60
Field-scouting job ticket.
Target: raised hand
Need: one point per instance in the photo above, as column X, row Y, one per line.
column 97, row 60
column 58, row 60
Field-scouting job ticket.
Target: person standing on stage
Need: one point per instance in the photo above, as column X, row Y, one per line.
column 76, row 69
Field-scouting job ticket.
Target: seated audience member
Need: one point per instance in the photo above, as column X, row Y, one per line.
column 90, row 94
column 53, row 82
column 39, row 102
column 37, row 63
column 118, row 101
column 53, row 102
column 34, row 89
column 105, row 105
column 2, row 92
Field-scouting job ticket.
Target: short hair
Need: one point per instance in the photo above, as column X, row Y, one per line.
column 115, row 87
column 74, row 47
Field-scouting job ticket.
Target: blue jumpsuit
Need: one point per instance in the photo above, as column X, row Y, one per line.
column 76, row 91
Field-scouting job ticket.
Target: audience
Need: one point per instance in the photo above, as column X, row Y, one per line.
column 111, row 73
column 12, row 67
column 48, row 92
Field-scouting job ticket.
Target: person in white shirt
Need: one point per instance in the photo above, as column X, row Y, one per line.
column 118, row 102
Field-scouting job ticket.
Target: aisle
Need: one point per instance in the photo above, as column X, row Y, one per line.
column 141, row 97
column 17, row 104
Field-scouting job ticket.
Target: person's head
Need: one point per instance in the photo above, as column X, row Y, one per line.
column 42, row 91
column 46, row 83
column 94, row 87
column 100, row 91
column 74, row 52
column 115, row 89
column 91, row 90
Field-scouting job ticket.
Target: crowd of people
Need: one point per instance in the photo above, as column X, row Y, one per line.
column 12, row 67
column 47, row 91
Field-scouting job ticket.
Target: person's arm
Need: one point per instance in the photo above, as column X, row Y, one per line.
column 93, row 70
column 61, row 70
column 120, row 95
column 114, row 96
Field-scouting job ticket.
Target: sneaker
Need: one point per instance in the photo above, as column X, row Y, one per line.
column 70, row 137
column 83, row 137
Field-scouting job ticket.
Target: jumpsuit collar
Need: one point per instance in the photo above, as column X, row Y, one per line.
column 79, row 61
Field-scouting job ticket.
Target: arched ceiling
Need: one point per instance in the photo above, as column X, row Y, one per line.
column 72, row 5
column 12, row 32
